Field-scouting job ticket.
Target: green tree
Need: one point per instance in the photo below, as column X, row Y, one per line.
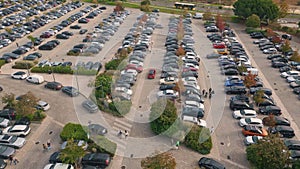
column 26, row 105
column 295, row 57
column 283, row 8
column 268, row 153
column 9, row 100
column 163, row 115
column 72, row 153
column 258, row 97
column 249, row 80
column 73, row 131
column 253, row 21
column 265, row 9
column 199, row 139
column 163, row 160
column 286, row 46
column 119, row 6
column 103, row 85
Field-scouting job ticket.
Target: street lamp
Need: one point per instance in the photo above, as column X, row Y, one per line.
column 51, row 70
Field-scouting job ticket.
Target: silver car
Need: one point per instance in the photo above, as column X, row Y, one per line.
column 12, row 141
column 6, row 151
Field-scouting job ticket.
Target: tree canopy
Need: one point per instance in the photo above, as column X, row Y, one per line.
column 72, row 153
column 253, row 21
column 268, row 153
column 163, row 160
column 266, row 10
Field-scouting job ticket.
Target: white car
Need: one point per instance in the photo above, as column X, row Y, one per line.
column 42, row 105
column 292, row 78
column 194, row 120
column 12, row 141
column 172, row 94
column 244, row 113
column 198, row 16
column 190, row 79
column 191, row 84
column 135, row 62
column 17, row 130
column 19, row 75
column 289, row 73
column 168, row 80
column 189, row 58
column 252, row 140
column 129, row 71
column 270, row 51
column 261, row 40
column 253, row 121
column 191, row 65
column 193, row 54
column 124, row 90
column 4, row 122
column 58, row 166
column 191, row 103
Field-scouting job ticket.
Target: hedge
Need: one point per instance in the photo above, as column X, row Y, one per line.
column 83, row 71
column 119, row 109
column 113, row 64
column 2, row 62
column 55, row 69
column 199, row 139
column 251, row 30
column 24, row 64
column 102, row 145
column 74, row 131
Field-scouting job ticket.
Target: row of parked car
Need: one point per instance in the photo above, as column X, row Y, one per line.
column 253, row 127
column 99, row 38
column 140, row 44
column 30, row 26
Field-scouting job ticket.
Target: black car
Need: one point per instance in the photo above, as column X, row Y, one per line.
column 54, row 158
column 23, row 121
column 278, row 120
column 270, row 57
column 231, row 72
column 296, row 90
column 285, row 69
column 53, row 85
column 275, row 110
column 238, row 105
column 241, row 98
column 62, row 36
column 283, row 131
column 8, row 114
column 167, row 87
column 83, row 31
column 235, row 90
column 210, row 163
column 96, row 159
column 267, row 91
column 278, row 64
column 46, row 47
column 71, row 91
column 75, row 27
column 292, row 144
column 39, row 55
column 68, row 33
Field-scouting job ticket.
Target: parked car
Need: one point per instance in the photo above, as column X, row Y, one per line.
column 59, row 166
column 42, row 105
column 12, row 141
column 4, row 122
column 19, row 75
column 170, row 94
column 235, row 90
column 254, row 131
column 252, row 140
column 17, row 130
column 244, row 113
column 210, row 163
column 6, row 151
column 238, row 105
column 90, row 106
column 278, row 120
column 253, row 121
column 96, row 159
column 8, row 114
column 283, row 131
column 292, row 144
column 55, row 158
column 71, row 91
column 53, row 85
column 266, row 110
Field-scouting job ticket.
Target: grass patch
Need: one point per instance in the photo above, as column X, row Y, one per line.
column 2, row 62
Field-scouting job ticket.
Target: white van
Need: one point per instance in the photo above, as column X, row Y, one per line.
column 36, row 79
column 195, row 120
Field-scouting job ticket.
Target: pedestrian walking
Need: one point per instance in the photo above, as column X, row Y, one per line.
column 212, row 129
column 48, row 145
column 45, row 147
column 17, row 45
column 205, row 95
column 126, row 134
column 10, row 158
column 210, row 94
column 177, row 145
column 120, row 134
column 210, row 90
column 16, row 161
column 203, row 92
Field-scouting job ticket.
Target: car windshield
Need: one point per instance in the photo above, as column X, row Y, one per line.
column 255, row 139
column 2, row 149
column 242, row 112
column 247, row 120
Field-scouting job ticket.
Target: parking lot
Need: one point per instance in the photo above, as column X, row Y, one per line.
column 228, row 145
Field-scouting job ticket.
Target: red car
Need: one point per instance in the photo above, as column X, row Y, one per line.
column 151, row 74
column 45, row 35
column 138, row 68
column 219, row 45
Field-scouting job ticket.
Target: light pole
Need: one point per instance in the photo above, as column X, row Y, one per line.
column 52, row 70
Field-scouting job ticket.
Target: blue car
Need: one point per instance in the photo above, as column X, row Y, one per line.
column 234, row 83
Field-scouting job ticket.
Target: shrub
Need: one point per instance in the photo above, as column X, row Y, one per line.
column 102, row 145
column 295, row 57
column 55, row 69
column 113, row 64
column 250, row 30
column 23, row 64
column 253, row 21
column 2, row 62
column 199, row 139
column 73, row 131
column 83, row 71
